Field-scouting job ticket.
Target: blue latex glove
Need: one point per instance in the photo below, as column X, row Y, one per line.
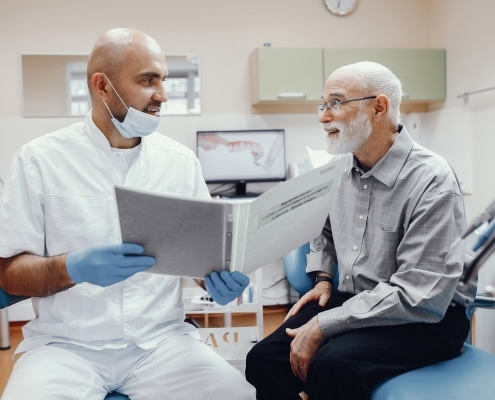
column 226, row 286
column 106, row 263
column 485, row 235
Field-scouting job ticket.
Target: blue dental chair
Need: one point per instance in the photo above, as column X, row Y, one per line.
column 7, row 300
column 471, row 375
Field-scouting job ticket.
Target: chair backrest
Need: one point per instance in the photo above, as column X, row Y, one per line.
column 295, row 270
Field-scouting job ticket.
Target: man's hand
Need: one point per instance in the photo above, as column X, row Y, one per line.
column 104, row 264
column 307, row 340
column 320, row 293
column 224, row 287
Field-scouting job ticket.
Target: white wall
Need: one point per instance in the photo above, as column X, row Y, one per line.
column 224, row 33
column 466, row 30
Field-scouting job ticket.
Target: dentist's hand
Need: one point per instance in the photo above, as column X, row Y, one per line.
column 106, row 263
column 224, row 287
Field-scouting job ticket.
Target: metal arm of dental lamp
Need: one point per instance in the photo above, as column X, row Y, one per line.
column 483, row 248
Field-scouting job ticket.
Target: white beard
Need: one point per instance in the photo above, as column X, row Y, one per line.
column 351, row 135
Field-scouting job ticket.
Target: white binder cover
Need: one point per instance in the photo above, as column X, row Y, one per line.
column 191, row 237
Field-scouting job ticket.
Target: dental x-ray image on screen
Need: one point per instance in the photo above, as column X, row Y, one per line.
column 241, row 156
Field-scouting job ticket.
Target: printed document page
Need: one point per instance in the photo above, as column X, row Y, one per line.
column 286, row 217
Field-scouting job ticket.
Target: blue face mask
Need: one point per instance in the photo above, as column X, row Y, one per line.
column 136, row 123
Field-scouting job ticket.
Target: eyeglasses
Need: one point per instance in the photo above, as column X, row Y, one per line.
column 335, row 104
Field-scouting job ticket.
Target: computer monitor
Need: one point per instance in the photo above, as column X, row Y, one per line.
column 241, row 156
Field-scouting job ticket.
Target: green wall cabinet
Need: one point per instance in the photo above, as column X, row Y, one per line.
column 292, row 79
column 421, row 71
column 286, row 74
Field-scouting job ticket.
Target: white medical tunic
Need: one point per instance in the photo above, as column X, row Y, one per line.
column 59, row 197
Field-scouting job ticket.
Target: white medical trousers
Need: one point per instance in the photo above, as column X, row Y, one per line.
column 181, row 367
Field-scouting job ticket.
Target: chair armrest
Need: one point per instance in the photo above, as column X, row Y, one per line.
column 481, row 301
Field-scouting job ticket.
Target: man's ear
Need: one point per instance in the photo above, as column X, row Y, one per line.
column 381, row 105
column 100, row 84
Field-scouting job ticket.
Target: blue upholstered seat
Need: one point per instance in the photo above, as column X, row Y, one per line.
column 116, row 396
column 471, row 375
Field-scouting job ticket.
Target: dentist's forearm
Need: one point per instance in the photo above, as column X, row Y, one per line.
column 34, row 276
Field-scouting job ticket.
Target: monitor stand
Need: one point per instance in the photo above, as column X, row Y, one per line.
column 240, row 190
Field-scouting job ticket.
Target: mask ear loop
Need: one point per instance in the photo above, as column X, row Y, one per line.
column 117, row 93
column 104, row 102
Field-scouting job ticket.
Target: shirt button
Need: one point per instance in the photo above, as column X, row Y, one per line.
column 361, row 217
column 347, row 277
column 354, row 248
column 365, row 186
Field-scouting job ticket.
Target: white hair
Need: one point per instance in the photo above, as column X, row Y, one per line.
column 376, row 79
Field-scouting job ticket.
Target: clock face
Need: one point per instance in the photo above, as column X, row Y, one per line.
column 341, row 7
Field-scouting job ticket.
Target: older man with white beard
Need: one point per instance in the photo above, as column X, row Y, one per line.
column 389, row 233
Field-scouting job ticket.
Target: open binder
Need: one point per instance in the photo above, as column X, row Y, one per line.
column 192, row 237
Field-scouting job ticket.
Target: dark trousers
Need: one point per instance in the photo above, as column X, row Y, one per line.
column 349, row 366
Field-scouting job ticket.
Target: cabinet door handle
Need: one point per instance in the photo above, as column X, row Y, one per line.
column 291, row 95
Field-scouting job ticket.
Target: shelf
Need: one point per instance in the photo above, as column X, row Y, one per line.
column 242, row 308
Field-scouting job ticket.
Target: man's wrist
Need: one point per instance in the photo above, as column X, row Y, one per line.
column 322, row 278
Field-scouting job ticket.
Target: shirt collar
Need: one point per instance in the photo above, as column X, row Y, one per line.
column 387, row 169
column 97, row 136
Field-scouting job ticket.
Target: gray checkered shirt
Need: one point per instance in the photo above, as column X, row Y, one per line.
column 391, row 231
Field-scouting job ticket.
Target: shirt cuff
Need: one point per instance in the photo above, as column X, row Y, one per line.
column 317, row 262
column 332, row 322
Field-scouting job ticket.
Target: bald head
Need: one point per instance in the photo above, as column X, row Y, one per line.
column 371, row 77
column 119, row 46
column 126, row 69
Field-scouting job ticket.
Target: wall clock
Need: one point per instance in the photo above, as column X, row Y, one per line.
column 341, row 7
